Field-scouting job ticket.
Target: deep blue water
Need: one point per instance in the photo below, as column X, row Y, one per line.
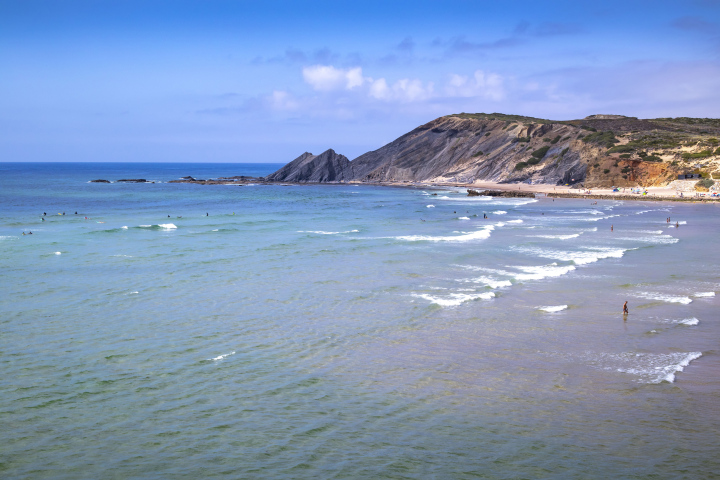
column 349, row 331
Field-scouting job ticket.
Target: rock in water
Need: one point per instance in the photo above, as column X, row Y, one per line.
column 498, row 193
column 326, row 167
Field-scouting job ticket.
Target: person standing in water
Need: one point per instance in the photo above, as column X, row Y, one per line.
column 625, row 308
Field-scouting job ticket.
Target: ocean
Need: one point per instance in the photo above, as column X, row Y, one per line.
column 349, row 331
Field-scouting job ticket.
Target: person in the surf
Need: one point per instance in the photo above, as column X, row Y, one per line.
column 625, row 308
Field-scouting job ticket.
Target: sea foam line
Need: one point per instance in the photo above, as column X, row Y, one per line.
column 649, row 367
column 220, row 357
column 454, row 299
column 321, row 232
column 664, row 298
column 558, row 237
column 582, row 257
column 704, row 294
column 477, row 235
column 553, row 309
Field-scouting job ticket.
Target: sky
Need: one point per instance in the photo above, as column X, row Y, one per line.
column 249, row 81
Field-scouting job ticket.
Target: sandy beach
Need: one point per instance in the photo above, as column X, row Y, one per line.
column 653, row 193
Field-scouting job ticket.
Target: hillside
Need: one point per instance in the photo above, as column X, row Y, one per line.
column 599, row 150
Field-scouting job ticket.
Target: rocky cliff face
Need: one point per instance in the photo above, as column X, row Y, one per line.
column 598, row 150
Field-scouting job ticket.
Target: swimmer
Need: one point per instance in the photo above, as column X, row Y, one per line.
column 207, row 214
column 611, row 228
column 625, row 308
column 42, row 218
column 677, row 224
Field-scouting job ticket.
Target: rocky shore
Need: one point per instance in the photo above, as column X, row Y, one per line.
column 499, row 193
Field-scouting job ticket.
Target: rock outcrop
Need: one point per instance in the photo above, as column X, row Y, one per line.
column 499, row 193
column 326, row 167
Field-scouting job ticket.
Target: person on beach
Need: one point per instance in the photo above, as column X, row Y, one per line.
column 625, row 308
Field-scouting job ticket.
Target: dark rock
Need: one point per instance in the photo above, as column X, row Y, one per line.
column 326, row 167
column 100, row 180
column 498, row 193
column 133, row 180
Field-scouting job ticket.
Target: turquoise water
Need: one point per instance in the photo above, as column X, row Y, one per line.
column 349, row 331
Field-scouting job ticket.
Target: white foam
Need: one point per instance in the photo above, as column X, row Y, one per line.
column 687, row 321
column 216, row 230
column 553, row 309
column 515, row 221
column 499, row 212
column 582, row 257
column 664, row 239
column 322, row 232
column 58, row 253
column 664, row 298
column 649, row 367
column 489, row 281
column 544, row 271
column 558, row 237
column 454, row 299
column 704, row 294
column 463, row 218
column 167, row 226
column 145, row 226
column 431, row 206
column 132, row 293
column 220, row 357
column 477, row 235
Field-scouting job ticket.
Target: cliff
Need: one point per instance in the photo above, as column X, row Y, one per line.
column 600, row 150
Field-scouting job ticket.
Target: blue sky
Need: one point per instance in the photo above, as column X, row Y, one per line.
column 235, row 81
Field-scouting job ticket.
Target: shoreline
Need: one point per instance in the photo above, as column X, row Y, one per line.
column 654, row 194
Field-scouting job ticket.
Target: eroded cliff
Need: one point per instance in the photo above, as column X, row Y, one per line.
column 600, row 150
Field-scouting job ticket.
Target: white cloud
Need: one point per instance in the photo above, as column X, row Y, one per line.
column 380, row 90
column 489, row 86
column 326, row 78
column 281, row 100
column 404, row 90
